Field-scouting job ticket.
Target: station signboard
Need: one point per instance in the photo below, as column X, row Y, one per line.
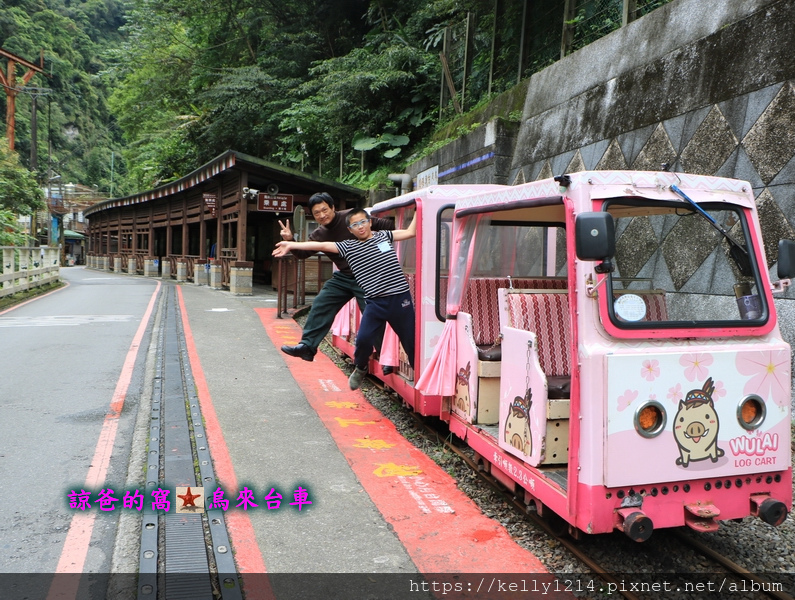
column 275, row 203
column 210, row 202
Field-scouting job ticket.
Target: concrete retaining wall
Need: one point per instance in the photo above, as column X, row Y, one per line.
column 703, row 87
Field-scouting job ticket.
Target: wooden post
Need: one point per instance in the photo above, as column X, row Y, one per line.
column 134, row 231
column 185, row 231
column 152, row 231
column 219, row 223
column 629, row 12
column 450, row 84
column 468, row 54
column 9, row 82
column 242, row 218
column 202, row 234
column 445, row 45
column 522, row 44
column 169, row 235
column 569, row 12
column 242, row 226
column 493, row 45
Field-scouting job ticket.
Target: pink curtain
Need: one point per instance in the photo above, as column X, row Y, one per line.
column 342, row 322
column 407, row 252
column 390, row 349
column 438, row 378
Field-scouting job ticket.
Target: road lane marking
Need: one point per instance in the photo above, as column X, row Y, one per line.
column 78, row 538
column 62, row 320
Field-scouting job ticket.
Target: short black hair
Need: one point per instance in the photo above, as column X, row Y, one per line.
column 356, row 211
column 320, row 198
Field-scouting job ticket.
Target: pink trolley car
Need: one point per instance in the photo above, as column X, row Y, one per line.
column 606, row 342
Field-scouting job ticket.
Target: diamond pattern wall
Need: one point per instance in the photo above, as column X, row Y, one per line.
column 770, row 143
column 710, row 146
column 750, row 138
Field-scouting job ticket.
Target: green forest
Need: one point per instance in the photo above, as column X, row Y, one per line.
column 137, row 93
column 140, row 92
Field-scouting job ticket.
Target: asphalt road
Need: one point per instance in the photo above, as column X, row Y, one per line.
column 61, row 359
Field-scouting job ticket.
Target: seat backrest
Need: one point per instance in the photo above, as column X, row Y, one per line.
column 547, row 315
column 655, row 305
column 480, row 301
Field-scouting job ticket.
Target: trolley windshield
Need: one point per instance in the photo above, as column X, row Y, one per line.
column 679, row 267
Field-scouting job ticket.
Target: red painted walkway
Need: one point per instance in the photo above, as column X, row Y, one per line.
column 441, row 528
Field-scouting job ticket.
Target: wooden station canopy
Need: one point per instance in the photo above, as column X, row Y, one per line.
column 227, row 210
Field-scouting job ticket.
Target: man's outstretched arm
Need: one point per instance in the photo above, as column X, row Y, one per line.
column 283, row 248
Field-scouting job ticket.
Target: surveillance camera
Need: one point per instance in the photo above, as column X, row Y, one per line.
column 250, row 193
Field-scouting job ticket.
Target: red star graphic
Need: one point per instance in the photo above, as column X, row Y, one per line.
column 189, row 499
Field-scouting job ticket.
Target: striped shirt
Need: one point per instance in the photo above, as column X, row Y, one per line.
column 375, row 265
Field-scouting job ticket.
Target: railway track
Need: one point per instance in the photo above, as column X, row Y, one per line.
column 725, row 571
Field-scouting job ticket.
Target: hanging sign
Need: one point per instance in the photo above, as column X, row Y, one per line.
column 209, row 202
column 276, row 203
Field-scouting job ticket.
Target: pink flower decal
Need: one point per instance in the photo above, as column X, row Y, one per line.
column 650, row 369
column 675, row 393
column 720, row 390
column 695, row 365
column 769, row 372
column 627, row 399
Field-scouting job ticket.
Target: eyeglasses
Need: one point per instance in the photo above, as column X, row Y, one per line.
column 361, row 223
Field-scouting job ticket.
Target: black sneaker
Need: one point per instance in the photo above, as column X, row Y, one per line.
column 300, row 351
column 356, row 378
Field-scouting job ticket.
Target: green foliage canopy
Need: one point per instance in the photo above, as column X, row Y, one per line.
column 19, row 192
column 73, row 119
column 293, row 82
column 166, row 85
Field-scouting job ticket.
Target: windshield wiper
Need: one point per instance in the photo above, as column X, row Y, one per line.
column 737, row 251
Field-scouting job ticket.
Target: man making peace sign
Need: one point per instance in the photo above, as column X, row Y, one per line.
column 377, row 269
column 342, row 286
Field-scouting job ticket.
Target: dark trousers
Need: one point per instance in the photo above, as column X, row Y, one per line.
column 336, row 292
column 398, row 311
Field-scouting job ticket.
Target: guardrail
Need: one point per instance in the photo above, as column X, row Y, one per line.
column 24, row 268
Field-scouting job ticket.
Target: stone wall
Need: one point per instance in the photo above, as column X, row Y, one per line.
column 702, row 87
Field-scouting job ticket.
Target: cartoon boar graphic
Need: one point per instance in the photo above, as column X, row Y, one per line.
column 696, row 426
column 517, row 425
column 462, row 390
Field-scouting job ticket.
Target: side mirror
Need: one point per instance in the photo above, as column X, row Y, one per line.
column 595, row 239
column 786, row 259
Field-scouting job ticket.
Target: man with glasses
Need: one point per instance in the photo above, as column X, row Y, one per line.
column 377, row 269
column 342, row 286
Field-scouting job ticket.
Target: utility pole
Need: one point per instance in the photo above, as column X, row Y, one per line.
column 34, row 93
column 34, row 143
column 9, row 82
